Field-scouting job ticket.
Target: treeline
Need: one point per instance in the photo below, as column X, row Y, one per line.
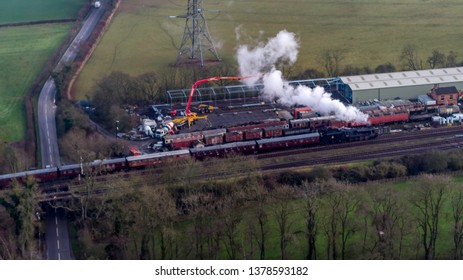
column 182, row 211
column 227, row 209
column 332, row 60
column 432, row 162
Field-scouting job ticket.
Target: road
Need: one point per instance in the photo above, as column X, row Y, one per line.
column 57, row 238
column 46, row 105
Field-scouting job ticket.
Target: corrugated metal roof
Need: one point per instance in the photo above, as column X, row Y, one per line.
column 406, row 78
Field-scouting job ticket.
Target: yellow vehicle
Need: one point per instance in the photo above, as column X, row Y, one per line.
column 205, row 109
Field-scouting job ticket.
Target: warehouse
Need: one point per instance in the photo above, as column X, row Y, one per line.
column 404, row 85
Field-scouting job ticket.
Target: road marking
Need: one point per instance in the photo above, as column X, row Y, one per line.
column 56, row 220
column 57, row 232
column 59, row 256
column 57, row 242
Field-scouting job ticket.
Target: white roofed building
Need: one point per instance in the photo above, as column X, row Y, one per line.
column 404, row 85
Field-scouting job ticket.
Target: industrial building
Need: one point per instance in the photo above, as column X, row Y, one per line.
column 404, row 85
column 444, row 84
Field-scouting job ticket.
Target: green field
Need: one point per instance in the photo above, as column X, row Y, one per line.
column 143, row 38
column 23, row 53
column 13, row 11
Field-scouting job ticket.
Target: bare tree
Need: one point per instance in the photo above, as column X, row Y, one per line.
column 231, row 217
column 148, row 86
column 349, row 206
column 457, row 214
column 451, row 60
column 340, row 224
column 436, row 59
column 428, row 200
column 410, row 58
column 258, row 223
column 283, row 196
column 331, row 60
column 387, row 214
column 311, row 195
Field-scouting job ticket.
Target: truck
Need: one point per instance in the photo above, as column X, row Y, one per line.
column 167, row 128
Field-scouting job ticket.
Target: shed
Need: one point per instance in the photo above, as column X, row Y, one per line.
column 404, row 85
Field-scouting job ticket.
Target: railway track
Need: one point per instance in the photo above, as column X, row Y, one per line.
column 359, row 156
column 385, row 138
column 383, row 147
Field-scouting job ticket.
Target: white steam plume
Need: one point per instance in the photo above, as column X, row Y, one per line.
column 261, row 62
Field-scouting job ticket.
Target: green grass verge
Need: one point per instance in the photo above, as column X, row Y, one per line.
column 14, row 11
column 23, row 53
column 143, row 38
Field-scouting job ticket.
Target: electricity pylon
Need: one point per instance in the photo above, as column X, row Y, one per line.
column 196, row 36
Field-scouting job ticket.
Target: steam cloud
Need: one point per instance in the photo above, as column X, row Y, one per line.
column 261, row 63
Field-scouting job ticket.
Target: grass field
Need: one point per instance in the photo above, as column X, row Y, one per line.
column 13, row 11
column 143, row 38
column 23, row 53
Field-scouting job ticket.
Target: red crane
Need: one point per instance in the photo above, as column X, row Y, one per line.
column 190, row 116
column 197, row 83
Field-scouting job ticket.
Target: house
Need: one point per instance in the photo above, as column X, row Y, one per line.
column 445, row 95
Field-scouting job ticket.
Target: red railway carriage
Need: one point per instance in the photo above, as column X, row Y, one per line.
column 245, row 147
column 71, row 170
column 233, row 136
column 185, row 140
column 259, row 125
column 156, row 158
column 213, row 139
column 253, row 134
column 40, row 175
column 288, row 141
column 276, row 131
column 388, row 118
column 317, row 123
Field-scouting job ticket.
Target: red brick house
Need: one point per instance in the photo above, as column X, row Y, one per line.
column 445, row 95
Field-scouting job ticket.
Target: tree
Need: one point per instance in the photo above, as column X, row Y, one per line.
column 428, row 200
column 340, row 223
column 22, row 204
column 387, row 216
column 311, row 194
column 231, row 217
column 457, row 215
column 331, row 60
column 436, row 59
column 282, row 212
column 309, row 73
column 451, row 60
column 261, row 233
column 410, row 59
column 148, row 86
column 385, row 68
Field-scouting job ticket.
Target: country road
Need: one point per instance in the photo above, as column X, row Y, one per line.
column 57, row 239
